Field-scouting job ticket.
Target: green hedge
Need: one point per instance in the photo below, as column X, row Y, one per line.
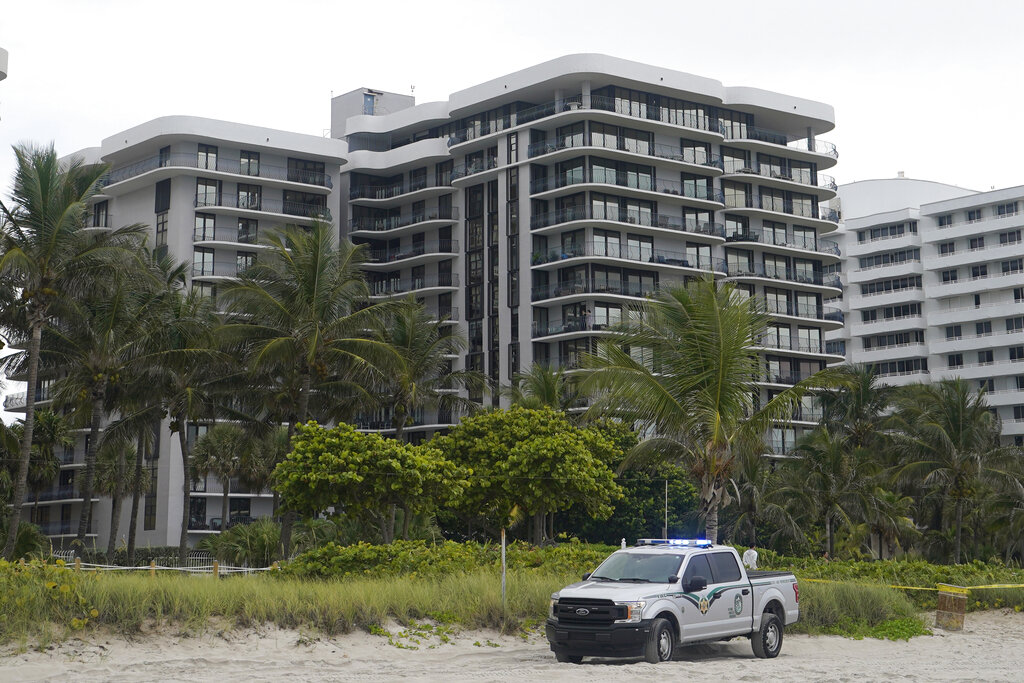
column 419, row 558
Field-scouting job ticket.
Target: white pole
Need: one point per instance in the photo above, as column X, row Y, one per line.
column 665, row 535
column 503, row 570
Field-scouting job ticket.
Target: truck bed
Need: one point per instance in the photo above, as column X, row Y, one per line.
column 764, row 574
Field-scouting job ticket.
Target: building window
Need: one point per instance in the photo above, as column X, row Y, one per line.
column 369, row 100
column 1008, row 209
column 99, row 215
column 249, row 163
column 946, row 221
column 304, row 171
column 954, row 332
column 161, row 229
column 207, row 157
column 947, row 248
column 985, row 357
column 977, row 243
column 949, row 275
column 249, row 196
column 1014, row 324
column 979, row 271
column 983, row 329
column 206, row 290
column 955, row 360
column 202, row 261
column 247, row 231
column 203, row 230
column 244, row 260
column 1010, row 237
column 974, row 215
column 1012, row 266
column 207, row 192
column 1016, row 353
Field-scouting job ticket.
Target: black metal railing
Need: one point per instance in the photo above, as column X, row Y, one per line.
column 401, row 286
column 628, row 216
column 398, row 189
column 384, row 223
column 193, row 161
column 250, row 203
column 774, row 239
column 641, row 253
column 782, row 273
column 413, row 250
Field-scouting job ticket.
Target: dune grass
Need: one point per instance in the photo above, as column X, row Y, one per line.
column 44, row 603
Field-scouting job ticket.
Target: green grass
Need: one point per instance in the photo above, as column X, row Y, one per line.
column 36, row 611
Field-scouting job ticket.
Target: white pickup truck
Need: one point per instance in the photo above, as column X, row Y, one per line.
column 663, row 593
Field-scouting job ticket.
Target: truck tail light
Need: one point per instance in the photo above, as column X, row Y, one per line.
column 796, row 591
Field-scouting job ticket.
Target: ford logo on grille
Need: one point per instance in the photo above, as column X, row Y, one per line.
column 582, row 611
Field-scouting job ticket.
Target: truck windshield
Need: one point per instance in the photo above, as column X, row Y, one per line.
column 640, row 567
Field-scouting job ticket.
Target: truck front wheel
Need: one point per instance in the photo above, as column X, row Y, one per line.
column 661, row 642
column 767, row 642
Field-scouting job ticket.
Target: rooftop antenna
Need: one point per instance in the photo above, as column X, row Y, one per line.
column 412, row 90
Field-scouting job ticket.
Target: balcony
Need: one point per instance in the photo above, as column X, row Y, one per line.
column 789, row 241
column 64, row 493
column 629, row 181
column 641, row 254
column 382, row 192
column 830, row 313
column 386, row 256
column 789, row 344
column 786, row 206
column 569, row 326
column 657, row 221
column 255, row 170
column 63, row 528
column 395, row 287
column 563, row 289
column 760, row 270
column 787, row 177
column 570, row 362
column 248, row 203
column 386, row 223
column 684, row 155
column 774, row 137
column 465, row 170
column 18, row 401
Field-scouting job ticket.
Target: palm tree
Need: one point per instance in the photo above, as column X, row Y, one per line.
column 857, row 405
column 761, row 499
column 688, row 373
column 948, row 440
column 300, row 320
column 222, row 452
column 417, row 374
column 540, row 387
column 46, row 254
column 52, row 431
column 888, row 517
column 114, row 479
column 831, row 481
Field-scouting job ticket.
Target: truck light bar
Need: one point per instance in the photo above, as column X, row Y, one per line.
column 690, row 542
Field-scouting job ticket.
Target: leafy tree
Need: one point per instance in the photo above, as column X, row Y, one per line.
column 948, row 440
column 761, row 501
column 534, row 460
column 222, row 452
column 47, row 255
column 364, row 475
column 688, row 372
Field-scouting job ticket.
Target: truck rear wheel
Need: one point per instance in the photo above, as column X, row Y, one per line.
column 767, row 642
column 661, row 642
column 568, row 659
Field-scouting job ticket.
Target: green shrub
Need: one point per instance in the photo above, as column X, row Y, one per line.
column 43, row 601
column 31, row 541
column 418, row 558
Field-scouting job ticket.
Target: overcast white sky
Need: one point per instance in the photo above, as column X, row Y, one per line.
column 931, row 88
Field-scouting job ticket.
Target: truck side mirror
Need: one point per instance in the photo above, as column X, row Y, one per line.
column 697, row 583
column 673, row 578
column 586, row 576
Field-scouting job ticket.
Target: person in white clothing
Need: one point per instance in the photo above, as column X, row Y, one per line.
column 750, row 557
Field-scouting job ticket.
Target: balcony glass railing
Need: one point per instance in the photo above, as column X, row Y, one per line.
column 628, row 180
column 463, row 170
column 814, row 311
column 398, row 189
column 249, row 203
column 383, row 223
column 401, row 286
column 686, row 155
column 801, row 209
column 790, row 344
column 801, row 176
column 642, row 254
column 644, row 112
column 413, row 250
column 774, row 239
column 632, row 289
column 778, row 273
column 628, row 216
column 257, row 170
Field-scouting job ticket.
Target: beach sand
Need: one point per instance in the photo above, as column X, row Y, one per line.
column 989, row 648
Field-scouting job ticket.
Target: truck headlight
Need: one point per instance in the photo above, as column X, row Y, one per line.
column 551, row 607
column 634, row 612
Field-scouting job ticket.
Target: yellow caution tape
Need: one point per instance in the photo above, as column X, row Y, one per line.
column 942, row 587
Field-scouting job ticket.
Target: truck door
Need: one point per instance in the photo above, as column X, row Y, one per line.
column 729, row 598
column 696, row 614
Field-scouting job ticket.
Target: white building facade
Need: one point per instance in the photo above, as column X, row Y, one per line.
column 935, row 289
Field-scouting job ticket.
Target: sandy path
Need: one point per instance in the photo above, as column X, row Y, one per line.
column 991, row 648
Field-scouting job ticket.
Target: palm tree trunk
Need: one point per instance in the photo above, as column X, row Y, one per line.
column 133, row 524
column 186, row 497
column 98, row 394
column 288, row 520
column 711, row 521
column 829, row 542
column 538, row 528
column 405, row 522
column 21, row 483
column 225, row 503
column 115, row 509
column 959, row 529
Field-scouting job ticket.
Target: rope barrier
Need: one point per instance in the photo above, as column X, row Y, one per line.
column 198, row 569
column 944, row 588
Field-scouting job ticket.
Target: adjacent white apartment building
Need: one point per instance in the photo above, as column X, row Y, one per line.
column 530, row 212
column 935, row 287
column 208, row 189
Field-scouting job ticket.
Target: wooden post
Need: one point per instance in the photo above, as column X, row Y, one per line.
column 503, row 601
column 78, row 564
column 949, row 613
column 152, row 568
column 216, row 569
column 21, row 561
column 275, row 567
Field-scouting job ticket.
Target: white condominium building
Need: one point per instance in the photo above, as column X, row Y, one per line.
column 935, row 289
column 536, row 209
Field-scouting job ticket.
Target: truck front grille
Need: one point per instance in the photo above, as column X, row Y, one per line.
column 591, row 612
